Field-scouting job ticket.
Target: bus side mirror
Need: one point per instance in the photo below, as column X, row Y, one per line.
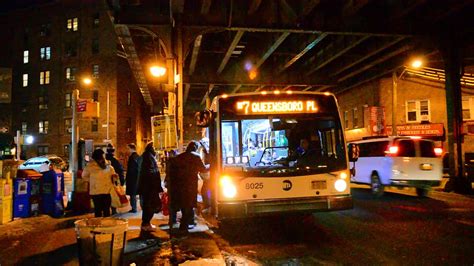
column 203, row 118
column 353, row 152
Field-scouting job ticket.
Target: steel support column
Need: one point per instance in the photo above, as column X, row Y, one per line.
column 180, row 85
column 450, row 48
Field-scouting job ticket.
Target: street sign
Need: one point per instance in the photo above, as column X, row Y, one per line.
column 164, row 132
column 81, row 105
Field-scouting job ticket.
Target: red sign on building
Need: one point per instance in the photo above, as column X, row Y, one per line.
column 377, row 120
column 81, row 105
column 421, row 130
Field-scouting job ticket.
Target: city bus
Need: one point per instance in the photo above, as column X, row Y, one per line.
column 275, row 153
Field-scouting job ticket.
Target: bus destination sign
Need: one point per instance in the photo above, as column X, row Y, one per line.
column 276, row 107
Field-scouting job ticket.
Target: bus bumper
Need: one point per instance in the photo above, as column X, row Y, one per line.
column 415, row 183
column 232, row 210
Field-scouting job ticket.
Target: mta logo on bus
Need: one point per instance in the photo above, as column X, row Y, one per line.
column 287, row 185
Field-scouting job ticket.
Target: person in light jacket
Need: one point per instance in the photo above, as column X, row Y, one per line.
column 99, row 173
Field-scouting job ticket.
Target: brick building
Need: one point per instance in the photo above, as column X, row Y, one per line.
column 420, row 110
column 54, row 46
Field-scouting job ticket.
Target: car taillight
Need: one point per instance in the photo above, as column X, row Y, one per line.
column 392, row 150
column 438, row 151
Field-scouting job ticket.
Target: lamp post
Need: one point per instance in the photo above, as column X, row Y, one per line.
column 158, row 71
column 417, row 63
column 74, row 162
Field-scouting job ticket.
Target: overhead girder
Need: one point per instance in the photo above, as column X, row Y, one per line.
column 231, row 49
column 376, row 62
column 372, row 51
column 306, row 49
column 340, row 47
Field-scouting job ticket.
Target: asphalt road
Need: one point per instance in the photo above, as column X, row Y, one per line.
column 396, row 229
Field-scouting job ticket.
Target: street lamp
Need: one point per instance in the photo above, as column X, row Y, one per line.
column 416, row 63
column 87, row 81
column 157, row 71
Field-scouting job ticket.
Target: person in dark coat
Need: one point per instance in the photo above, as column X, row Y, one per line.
column 131, row 178
column 169, row 173
column 115, row 163
column 149, row 187
column 184, row 183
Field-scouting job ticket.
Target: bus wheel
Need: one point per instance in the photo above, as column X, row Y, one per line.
column 421, row 192
column 376, row 186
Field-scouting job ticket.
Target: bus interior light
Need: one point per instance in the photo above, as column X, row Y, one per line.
column 230, row 160
column 438, row 151
column 340, row 185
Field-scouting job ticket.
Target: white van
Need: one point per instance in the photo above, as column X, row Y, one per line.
column 398, row 161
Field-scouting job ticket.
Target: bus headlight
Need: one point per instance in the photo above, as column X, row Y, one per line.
column 228, row 188
column 340, row 185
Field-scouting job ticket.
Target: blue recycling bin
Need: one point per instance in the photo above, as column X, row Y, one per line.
column 52, row 189
column 26, row 194
column 21, row 197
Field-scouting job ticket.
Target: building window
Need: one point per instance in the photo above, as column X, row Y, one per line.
column 45, row 29
column 355, row 118
column 95, row 71
column 43, row 150
column 26, row 35
column 129, row 98
column 43, row 127
column 346, row 119
column 43, row 102
column 25, row 80
column 70, row 73
column 45, row 53
column 95, row 96
column 72, row 24
column 95, row 125
column 467, row 108
column 26, row 55
column 66, row 150
column 96, row 20
column 68, row 125
column 24, row 127
column 128, row 124
column 68, row 100
column 95, row 45
column 44, row 77
column 71, row 49
column 418, row 111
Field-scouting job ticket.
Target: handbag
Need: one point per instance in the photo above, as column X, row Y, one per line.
column 117, row 194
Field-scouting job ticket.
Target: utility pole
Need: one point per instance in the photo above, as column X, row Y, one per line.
column 73, row 161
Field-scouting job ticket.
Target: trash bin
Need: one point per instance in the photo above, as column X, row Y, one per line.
column 6, row 201
column 26, row 196
column 101, row 241
column 52, row 190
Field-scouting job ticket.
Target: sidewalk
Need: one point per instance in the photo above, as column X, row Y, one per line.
column 44, row 240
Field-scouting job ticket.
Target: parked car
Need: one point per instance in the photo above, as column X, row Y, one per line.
column 44, row 163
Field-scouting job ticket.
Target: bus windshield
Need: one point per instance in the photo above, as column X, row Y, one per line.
column 283, row 145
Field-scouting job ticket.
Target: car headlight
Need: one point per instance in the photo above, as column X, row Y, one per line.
column 229, row 190
column 340, row 185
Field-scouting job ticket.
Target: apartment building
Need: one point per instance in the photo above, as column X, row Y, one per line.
column 52, row 48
